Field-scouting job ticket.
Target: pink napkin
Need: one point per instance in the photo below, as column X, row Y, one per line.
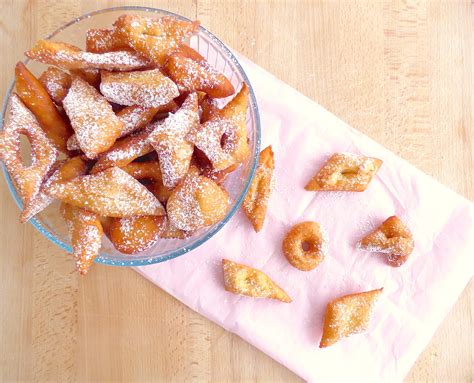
column 416, row 296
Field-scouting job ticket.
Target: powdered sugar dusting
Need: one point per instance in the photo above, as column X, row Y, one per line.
column 208, row 138
column 168, row 139
column 184, row 211
column 92, row 118
column 345, row 172
column 111, row 193
column 28, row 179
column 146, row 88
column 68, row 56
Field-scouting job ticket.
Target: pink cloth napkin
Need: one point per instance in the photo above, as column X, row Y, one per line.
column 416, row 296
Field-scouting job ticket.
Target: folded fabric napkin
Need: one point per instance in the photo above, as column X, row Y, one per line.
column 416, row 296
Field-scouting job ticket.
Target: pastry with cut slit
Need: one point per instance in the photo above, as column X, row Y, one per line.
column 392, row 238
column 256, row 200
column 191, row 72
column 345, row 172
column 223, row 138
column 154, row 38
column 28, row 179
column 245, row 280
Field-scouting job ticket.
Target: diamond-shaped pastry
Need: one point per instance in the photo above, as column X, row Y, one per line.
column 392, row 238
column 348, row 315
column 244, row 280
column 345, row 172
column 256, row 200
column 168, row 139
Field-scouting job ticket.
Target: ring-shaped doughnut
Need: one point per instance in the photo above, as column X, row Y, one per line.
column 305, row 245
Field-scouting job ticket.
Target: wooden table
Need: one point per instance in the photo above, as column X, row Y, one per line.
column 401, row 72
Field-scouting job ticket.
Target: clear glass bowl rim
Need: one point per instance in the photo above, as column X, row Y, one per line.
column 103, row 258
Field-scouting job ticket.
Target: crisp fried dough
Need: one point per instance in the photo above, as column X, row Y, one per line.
column 168, row 231
column 124, row 151
column 104, row 40
column 28, row 179
column 191, row 73
column 197, row 202
column 61, row 171
column 136, row 117
column 256, row 201
column 348, row 315
column 131, row 235
column 345, row 172
column 89, row 75
column 244, row 280
column 85, row 231
column 96, row 125
column 305, row 245
column 168, row 139
column 209, row 109
column 223, row 138
column 57, row 83
column 154, row 38
column 149, row 88
column 37, row 100
column 67, row 56
column 149, row 170
column 110, row 193
column 392, row 238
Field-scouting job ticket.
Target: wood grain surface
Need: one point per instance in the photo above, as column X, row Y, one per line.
column 401, row 72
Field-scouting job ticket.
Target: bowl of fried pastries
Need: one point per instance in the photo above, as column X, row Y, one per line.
column 142, row 136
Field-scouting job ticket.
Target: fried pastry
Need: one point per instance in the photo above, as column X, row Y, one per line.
column 196, row 202
column 149, row 88
column 104, row 40
column 135, row 117
column 306, row 245
column 89, row 75
column 209, row 109
column 28, row 179
column 61, row 171
column 207, row 170
column 154, row 38
column 191, row 73
column 168, row 139
column 124, row 151
column 67, row 56
column 168, row 231
column 345, row 172
column 37, row 100
column 244, row 280
column 392, row 238
column 131, row 235
column 256, row 200
column 348, row 315
column 223, row 138
column 85, row 232
column 149, row 170
column 110, row 193
column 57, row 83
column 92, row 118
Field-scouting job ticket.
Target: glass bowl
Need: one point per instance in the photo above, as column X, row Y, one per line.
column 50, row 223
